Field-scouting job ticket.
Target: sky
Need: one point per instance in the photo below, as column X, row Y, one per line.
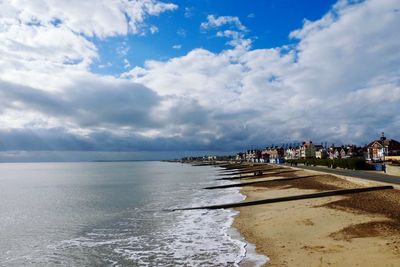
column 149, row 79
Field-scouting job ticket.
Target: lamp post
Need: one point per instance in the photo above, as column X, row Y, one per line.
column 383, row 159
column 383, row 138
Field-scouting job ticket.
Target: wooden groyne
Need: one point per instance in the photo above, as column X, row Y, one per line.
column 259, row 182
column 204, row 164
column 290, row 198
column 233, row 166
column 249, row 168
column 238, row 172
column 256, row 176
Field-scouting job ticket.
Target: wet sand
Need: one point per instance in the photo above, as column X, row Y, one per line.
column 355, row 230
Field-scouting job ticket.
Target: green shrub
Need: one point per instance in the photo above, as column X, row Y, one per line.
column 349, row 163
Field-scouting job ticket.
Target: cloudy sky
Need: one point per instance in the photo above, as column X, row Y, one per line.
column 149, row 79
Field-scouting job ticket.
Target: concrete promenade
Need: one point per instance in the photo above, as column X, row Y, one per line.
column 368, row 175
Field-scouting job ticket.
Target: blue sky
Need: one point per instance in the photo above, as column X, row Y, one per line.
column 269, row 24
column 151, row 79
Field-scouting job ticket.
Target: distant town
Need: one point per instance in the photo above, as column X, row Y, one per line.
column 374, row 155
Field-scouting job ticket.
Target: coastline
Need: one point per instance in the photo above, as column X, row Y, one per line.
column 360, row 229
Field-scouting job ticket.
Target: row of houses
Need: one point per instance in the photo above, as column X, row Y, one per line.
column 207, row 158
column 380, row 150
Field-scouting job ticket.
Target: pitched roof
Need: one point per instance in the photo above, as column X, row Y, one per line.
column 390, row 143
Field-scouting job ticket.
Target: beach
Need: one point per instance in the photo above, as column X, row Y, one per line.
column 360, row 229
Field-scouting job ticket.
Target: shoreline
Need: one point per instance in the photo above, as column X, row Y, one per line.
column 360, row 229
column 251, row 256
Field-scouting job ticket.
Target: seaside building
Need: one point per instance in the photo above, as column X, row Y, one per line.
column 240, row 156
column 321, row 153
column 273, row 154
column 276, row 155
column 211, row 158
column 265, row 155
column 334, row 152
column 307, row 150
column 343, row 152
column 291, row 153
column 379, row 150
column 253, row 155
column 350, row 151
column 383, row 149
column 248, row 155
column 298, row 152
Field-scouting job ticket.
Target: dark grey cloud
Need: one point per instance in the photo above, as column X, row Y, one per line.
column 16, row 96
column 121, row 104
column 103, row 108
column 59, row 139
column 88, row 104
column 42, row 139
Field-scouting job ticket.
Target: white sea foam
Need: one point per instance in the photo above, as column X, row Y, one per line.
column 248, row 254
column 232, row 248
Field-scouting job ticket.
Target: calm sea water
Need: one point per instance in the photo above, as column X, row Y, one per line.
column 92, row 214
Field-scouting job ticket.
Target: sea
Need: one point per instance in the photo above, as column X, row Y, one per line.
column 117, row 214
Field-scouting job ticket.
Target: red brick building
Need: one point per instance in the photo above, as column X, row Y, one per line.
column 379, row 149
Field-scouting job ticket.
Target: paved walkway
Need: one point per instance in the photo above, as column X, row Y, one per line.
column 374, row 176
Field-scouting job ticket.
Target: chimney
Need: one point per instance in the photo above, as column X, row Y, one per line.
column 383, row 138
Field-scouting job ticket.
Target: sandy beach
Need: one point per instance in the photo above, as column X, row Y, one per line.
column 354, row 230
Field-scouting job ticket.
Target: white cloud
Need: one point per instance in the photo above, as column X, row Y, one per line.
column 235, row 32
column 107, row 65
column 177, row 46
column 41, row 38
column 181, row 32
column 216, row 22
column 237, row 39
column 153, row 29
column 348, row 48
column 106, row 18
column 188, row 12
column 123, row 49
column 127, row 65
